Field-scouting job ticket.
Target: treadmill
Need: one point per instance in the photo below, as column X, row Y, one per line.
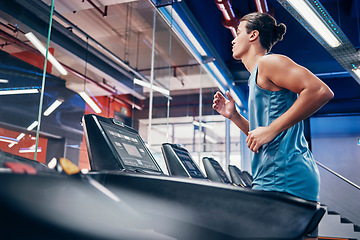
column 214, row 171
column 240, row 178
column 182, row 208
column 127, row 197
column 113, row 146
column 179, row 162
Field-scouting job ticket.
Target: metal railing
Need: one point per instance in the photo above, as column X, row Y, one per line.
column 338, row 175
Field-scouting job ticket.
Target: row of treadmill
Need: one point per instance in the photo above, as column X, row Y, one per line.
column 180, row 163
column 113, row 146
column 127, row 196
column 127, row 152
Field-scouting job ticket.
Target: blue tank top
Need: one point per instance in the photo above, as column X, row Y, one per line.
column 285, row 164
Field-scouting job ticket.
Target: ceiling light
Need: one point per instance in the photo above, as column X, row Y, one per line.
column 18, row 91
column 217, row 73
column 235, row 97
column 4, row 81
column 21, row 135
column 90, row 102
column 8, row 139
column 210, row 139
column 29, row 150
column 148, row 85
column 357, row 71
column 52, row 107
column 32, row 126
column 36, row 42
column 186, row 31
column 312, row 18
column 194, row 45
column 197, row 123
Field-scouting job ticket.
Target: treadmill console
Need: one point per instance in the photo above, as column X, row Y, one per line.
column 240, row 178
column 214, row 171
column 114, row 146
column 179, row 162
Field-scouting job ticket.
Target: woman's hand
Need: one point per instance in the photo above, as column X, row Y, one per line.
column 260, row 136
column 227, row 109
column 223, row 106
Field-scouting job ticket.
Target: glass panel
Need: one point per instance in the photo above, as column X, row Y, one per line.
column 187, row 81
column 103, row 56
column 21, row 78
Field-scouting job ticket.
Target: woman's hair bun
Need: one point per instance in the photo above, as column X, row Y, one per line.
column 280, row 30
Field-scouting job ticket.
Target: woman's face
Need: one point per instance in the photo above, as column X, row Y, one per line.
column 241, row 41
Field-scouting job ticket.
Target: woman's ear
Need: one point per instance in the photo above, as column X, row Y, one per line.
column 254, row 35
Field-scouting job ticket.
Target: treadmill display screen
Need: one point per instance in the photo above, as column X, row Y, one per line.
column 189, row 164
column 129, row 147
column 221, row 172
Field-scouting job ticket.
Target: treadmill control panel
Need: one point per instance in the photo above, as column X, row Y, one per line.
column 189, row 164
column 179, row 161
column 114, row 146
column 129, row 147
column 221, row 173
column 214, row 171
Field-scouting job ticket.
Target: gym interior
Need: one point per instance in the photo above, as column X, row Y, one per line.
column 107, row 129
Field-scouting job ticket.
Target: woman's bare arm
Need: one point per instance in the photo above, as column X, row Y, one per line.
column 284, row 73
column 227, row 109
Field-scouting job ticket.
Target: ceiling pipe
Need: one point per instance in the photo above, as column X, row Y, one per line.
column 25, row 46
column 229, row 19
column 14, row 40
column 262, row 6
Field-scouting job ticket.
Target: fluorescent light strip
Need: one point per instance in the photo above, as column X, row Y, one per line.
column 90, row 102
column 156, row 88
column 21, row 135
column 357, row 72
column 19, row 91
column 52, row 107
column 210, row 68
column 210, row 139
column 32, row 126
column 207, row 137
column 186, row 30
column 29, row 150
column 35, row 41
column 4, row 81
column 315, row 21
column 197, row 123
column 217, row 73
column 235, row 97
column 93, row 97
column 8, row 139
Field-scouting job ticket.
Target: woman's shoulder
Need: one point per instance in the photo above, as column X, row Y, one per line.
column 271, row 58
column 273, row 61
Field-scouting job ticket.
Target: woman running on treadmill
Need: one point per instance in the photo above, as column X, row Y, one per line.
column 281, row 95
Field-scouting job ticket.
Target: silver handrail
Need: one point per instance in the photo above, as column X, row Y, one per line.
column 338, row 175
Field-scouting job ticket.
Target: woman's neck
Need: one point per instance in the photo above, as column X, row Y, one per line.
column 252, row 58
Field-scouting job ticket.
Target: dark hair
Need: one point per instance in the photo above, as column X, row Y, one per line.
column 269, row 31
